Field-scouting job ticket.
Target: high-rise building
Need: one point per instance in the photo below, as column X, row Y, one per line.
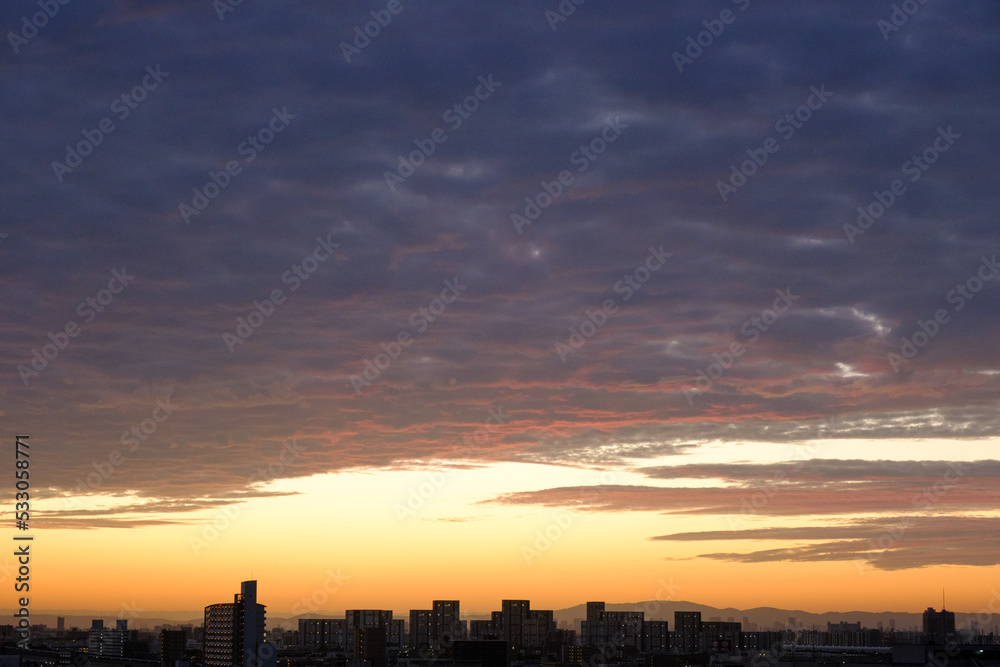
column 369, row 645
column 325, row 634
column 513, row 618
column 520, row 626
column 396, row 639
column 420, row 628
column 482, row 630
column 594, row 611
column 656, row 636
column 938, row 625
column 719, row 637
column 358, row 619
column 589, row 631
column 106, row 643
column 540, row 627
column 687, row 628
column 445, row 622
column 60, row 623
column 618, row 629
column 172, row 646
column 234, row 632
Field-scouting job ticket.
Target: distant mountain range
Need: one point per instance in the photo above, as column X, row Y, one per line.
column 766, row 618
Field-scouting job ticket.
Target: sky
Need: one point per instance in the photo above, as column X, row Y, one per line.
column 385, row 302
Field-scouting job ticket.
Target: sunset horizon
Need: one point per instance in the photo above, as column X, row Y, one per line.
column 382, row 303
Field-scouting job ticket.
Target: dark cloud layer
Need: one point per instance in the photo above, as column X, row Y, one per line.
column 821, row 366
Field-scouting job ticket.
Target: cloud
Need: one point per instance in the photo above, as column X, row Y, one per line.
column 619, row 397
column 887, row 543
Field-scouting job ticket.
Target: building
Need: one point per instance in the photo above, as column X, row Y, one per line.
column 518, row 624
column 103, row 642
column 621, row 630
column 513, row 619
column 938, row 625
column 420, row 629
column 844, row 627
column 323, row 634
column 540, row 628
column 445, row 623
column 719, row 637
column 360, row 619
column 369, row 646
column 656, row 637
column 396, row 639
column 482, row 630
column 234, row 632
column 571, row 655
column 687, row 628
column 172, row 645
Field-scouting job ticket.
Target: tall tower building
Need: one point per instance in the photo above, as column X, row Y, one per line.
column 938, row 625
column 234, row 632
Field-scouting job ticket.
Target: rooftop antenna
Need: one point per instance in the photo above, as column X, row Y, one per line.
column 942, row 600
